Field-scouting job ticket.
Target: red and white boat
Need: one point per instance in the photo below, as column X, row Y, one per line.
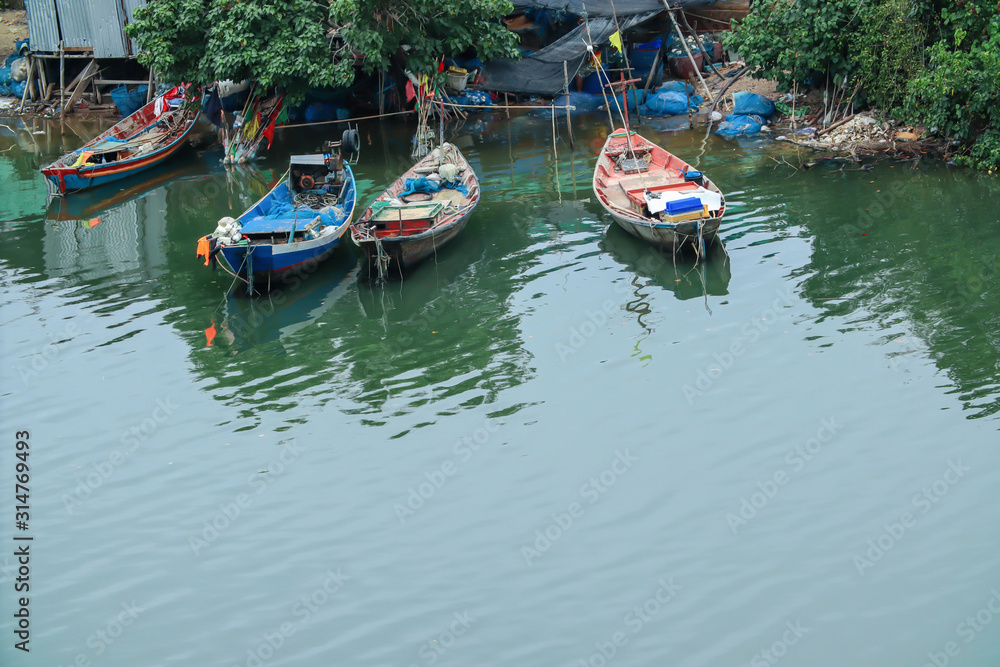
column 141, row 141
column 656, row 196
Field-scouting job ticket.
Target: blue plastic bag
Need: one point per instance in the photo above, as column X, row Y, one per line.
column 739, row 125
column 582, row 103
column 677, row 87
column 746, row 103
column 670, row 103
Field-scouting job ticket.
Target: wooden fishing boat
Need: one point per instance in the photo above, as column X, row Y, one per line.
column 656, row 196
column 299, row 222
column 143, row 140
column 421, row 211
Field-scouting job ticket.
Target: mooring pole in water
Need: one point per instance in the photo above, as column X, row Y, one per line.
column 62, row 89
column 569, row 125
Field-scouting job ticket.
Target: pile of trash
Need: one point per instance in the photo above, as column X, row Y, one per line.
column 860, row 131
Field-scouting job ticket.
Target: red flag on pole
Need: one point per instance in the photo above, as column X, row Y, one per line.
column 269, row 130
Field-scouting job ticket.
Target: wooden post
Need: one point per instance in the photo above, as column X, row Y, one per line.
column 694, row 64
column 62, row 88
column 569, row 124
column 652, row 72
column 27, row 84
column 81, row 81
column 149, row 87
column 43, row 80
column 701, row 46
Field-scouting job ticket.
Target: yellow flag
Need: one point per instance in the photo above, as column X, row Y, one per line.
column 616, row 41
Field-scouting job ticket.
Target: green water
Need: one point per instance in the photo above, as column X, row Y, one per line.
column 550, row 445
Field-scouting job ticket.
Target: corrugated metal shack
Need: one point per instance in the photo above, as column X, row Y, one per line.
column 75, row 45
column 95, row 27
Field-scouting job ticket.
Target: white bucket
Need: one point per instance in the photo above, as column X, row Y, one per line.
column 457, row 81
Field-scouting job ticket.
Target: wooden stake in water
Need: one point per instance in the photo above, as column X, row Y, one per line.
column 569, row 125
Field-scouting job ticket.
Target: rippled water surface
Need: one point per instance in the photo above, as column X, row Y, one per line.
column 550, row 446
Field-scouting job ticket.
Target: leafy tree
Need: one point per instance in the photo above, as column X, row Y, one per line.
column 304, row 44
column 424, row 30
column 792, row 41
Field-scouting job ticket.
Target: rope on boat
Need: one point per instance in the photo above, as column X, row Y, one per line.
column 382, row 260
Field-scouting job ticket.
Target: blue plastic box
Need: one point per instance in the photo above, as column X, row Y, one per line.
column 682, row 206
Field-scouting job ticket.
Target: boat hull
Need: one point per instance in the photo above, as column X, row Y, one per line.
column 67, row 179
column 406, row 252
column 276, row 259
column 668, row 236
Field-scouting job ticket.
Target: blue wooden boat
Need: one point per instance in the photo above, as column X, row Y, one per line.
column 294, row 226
column 141, row 141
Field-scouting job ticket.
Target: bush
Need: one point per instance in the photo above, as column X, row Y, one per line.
column 958, row 96
column 888, row 49
column 792, row 41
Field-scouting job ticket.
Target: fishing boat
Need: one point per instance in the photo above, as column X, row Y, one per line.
column 143, row 140
column 656, row 196
column 420, row 212
column 300, row 221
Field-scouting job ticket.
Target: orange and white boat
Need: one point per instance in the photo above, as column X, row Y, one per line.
column 654, row 195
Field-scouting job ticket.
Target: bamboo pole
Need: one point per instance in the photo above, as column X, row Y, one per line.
column 569, row 124
column 27, row 83
column 694, row 64
column 62, row 88
column 722, row 92
column 652, row 72
column 708, row 58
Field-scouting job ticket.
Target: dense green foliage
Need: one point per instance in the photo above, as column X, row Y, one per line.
column 303, row 44
column 887, row 51
column 796, row 40
column 426, row 30
column 929, row 62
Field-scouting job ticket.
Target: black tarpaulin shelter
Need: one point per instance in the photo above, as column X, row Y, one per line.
column 542, row 72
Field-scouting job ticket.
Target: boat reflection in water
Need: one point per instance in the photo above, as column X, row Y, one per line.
column 686, row 277
column 115, row 230
column 288, row 308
